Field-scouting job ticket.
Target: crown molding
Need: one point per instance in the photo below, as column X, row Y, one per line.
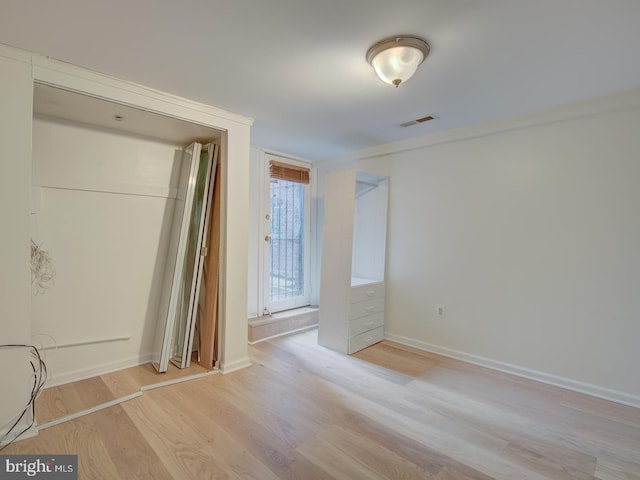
column 596, row 106
column 48, row 71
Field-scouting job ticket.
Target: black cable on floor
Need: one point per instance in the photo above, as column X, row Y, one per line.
column 39, row 377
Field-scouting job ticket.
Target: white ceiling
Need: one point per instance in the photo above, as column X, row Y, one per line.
column 298, row 68
column 54, row 102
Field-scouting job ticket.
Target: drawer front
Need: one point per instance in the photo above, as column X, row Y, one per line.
column 365, row 339
column 367, row 292
column 368, row 307
column 362, row 324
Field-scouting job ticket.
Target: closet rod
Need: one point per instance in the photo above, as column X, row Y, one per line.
column 371, row 184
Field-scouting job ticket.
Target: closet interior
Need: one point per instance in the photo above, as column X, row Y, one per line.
column 124, row 202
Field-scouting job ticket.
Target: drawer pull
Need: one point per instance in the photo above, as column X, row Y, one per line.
column 369, row 309
column 369, row 324
column 369, row 339
column 370, row 293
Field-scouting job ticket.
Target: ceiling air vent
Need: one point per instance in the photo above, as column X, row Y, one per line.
column 418, row 120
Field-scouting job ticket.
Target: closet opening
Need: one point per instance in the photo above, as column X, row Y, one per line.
column 106, row 186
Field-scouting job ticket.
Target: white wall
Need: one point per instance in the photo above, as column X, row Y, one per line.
column 103, row 206
column 15, row 178
column 530, row 239
column 256, row 240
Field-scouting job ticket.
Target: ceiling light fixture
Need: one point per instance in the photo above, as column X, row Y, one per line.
column 396, row 59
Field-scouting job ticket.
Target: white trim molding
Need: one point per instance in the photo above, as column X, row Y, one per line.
column 226, row 368
column 59, row 74
column 87, row 411
column 550, row 379
column 610, row 103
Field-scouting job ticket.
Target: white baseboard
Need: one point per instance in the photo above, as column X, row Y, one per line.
column 236, row 365
column 83, row 373
column 568, row 383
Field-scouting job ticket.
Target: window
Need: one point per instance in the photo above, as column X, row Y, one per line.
column 287, row 249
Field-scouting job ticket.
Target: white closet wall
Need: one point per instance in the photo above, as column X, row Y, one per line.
column 369, row 229
column 102, row 206
column 15, row 171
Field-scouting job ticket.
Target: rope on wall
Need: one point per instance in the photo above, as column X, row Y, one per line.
column 43, row 271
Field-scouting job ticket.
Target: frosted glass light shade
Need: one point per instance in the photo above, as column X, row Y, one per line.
column 397, row 64
column 396, row 59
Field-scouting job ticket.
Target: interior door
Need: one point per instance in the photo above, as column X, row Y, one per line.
column 173, row 285
column 195, row 254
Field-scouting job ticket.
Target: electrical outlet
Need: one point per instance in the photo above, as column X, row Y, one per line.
column 440, row 310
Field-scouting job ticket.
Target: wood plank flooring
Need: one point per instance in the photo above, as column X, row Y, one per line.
column 388, row 412
column 62, row 400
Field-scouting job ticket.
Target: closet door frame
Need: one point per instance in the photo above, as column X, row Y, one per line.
column 234, row 131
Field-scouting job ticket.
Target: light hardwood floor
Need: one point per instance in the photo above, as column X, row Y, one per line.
column 388, row 412
column 62, row 400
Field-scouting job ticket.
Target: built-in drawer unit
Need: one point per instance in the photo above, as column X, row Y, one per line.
column 362, row 324
column 367, row 307
column 352, row 282
column 365, row 339
column 366, row 315
column 367, row 292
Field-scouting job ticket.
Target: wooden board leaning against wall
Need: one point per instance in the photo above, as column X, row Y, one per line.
column 209, row 319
